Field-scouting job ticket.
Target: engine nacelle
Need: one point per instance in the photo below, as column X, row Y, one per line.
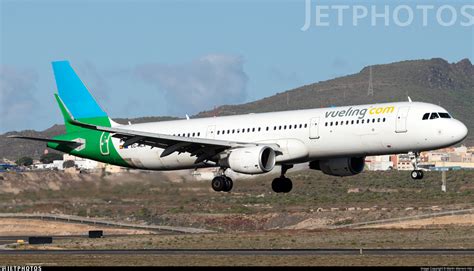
column 340, row 166
column 251, row 160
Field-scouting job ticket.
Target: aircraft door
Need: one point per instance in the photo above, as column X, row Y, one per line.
column 314, row 128
column 401, row 121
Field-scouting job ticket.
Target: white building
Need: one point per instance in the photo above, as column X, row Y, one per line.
column 381, row 162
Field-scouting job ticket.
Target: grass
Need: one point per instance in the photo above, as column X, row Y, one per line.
column 232, row 260
column 447, row 237
column 151, row 198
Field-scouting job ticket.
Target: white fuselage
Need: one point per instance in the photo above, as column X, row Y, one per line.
column 308, row 135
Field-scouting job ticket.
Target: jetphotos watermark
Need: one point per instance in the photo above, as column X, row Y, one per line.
column 386, row 15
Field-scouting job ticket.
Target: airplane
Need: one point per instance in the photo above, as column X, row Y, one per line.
column 334, row 140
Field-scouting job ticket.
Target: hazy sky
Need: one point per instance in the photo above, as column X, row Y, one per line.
column 149, row 58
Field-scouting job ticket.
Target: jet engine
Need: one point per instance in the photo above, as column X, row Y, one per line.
column 347, row 166
column 251, row 160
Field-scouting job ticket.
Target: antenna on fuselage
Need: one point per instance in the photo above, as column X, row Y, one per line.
column 409, row 99
column 187, row 117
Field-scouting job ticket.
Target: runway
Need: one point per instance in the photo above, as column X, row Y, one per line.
column 249, row 252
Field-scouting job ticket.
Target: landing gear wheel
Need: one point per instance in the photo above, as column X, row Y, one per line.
column 219, row 183
column 228, row 184
column 276, row 185
column 282, row 185
column 420, row 174
column 417, row 174
column 287, row 185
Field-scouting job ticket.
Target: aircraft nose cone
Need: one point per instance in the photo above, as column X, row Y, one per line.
column 460, row 131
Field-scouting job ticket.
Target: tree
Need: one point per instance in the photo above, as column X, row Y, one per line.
column 50, row 157
column 25, row 161
column 68, row 164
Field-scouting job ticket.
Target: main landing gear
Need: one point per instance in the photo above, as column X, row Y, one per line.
column 222, row 182
column 416, row 174
column 282, row 184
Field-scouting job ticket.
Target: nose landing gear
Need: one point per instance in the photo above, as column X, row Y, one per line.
column 416, row 174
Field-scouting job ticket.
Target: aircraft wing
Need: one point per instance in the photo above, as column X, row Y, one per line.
column 203, row 148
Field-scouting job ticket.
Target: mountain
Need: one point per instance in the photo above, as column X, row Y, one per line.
column 436, row 81
column 433, row 81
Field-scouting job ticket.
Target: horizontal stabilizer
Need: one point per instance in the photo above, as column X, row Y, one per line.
column 72, row 144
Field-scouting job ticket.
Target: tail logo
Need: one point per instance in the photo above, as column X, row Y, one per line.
column 104, row 143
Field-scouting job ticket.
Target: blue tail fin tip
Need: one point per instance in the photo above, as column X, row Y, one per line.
column 74, row 93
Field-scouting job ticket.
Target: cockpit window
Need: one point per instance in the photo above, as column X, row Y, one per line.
column 426, row 116
column 434, row 116
column 444, row 115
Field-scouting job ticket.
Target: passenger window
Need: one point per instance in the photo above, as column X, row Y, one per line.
column 331, row 123
column 383, row 119
column 373, row 120
column 378, row 120
column 362, row 122
column 434, row 116
column 199, row 133
column 352, row 121
column 301, row 125
column 259, row 129
column 253, row 129
column 305, row 125
column 357, row 121
column 326, row 124
column 444, row 115
column 426, row 116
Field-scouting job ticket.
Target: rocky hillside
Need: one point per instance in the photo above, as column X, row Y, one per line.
column 450, row 85
column 434, row 81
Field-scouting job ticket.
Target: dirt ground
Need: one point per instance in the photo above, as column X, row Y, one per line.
column 205, row 260
column 19, row 227
column 467, row 220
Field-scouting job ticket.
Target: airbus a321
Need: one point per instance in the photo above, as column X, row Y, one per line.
column 333, row 140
